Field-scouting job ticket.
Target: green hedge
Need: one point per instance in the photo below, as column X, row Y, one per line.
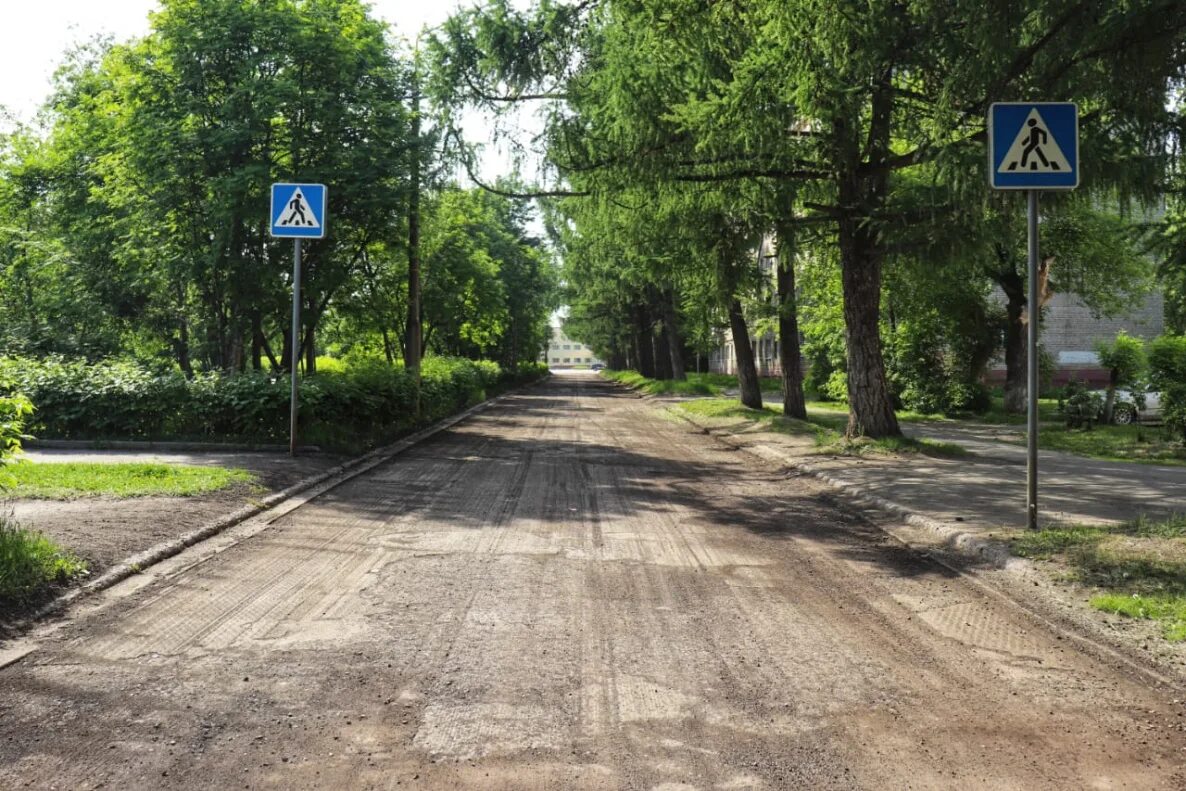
column 361, row 405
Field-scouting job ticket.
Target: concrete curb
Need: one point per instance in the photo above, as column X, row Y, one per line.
column 164, row 446
column 961, row 542
column 342, row 472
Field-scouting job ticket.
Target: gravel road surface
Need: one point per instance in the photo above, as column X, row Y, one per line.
column 570, row 592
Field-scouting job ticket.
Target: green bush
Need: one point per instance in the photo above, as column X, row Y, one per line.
column 14, row 411
column 346, row 407
column 934, row 368
column 1167, row 373
column 29, row 561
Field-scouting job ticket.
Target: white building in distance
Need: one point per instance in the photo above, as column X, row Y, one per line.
column 564, row 352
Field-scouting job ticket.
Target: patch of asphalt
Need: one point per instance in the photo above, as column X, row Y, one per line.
column 331, row 478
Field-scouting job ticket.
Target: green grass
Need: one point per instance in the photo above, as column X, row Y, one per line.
column 1141, row 444
column 29, row 562
column 1140, row 566
column 697, row 384
column 996, row 414
column 826, row 429
column 69, row 480
column 694, row 385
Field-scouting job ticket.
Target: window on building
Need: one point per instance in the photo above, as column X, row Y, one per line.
column 567, row 360
column 555, row 359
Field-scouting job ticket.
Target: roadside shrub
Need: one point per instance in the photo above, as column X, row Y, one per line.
column 1125, row 360
column 1167, row 373
column 14, row 411
column 343, row 406
column 934, row 368
column 29, row 561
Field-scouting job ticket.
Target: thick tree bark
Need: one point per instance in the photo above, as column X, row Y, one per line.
column 790, row 356
column 870, row 410
column 675, row 343
column 747, row 371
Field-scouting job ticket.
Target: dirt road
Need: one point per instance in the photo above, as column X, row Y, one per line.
column 569, row 592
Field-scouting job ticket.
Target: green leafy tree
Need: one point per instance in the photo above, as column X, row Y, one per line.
column 1124, row 358
column 845, row 101
column 164, row 149
column 1167, row 374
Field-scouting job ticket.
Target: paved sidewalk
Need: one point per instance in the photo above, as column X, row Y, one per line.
column 985, row 491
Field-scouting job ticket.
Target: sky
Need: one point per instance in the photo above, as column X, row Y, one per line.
column 35, row 35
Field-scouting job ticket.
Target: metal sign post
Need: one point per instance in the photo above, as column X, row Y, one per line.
column 1031, row 381
column 296, row 346
column 1033, row 146
column 298, row 212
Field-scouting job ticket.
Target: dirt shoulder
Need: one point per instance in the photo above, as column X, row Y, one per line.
column 106, row 530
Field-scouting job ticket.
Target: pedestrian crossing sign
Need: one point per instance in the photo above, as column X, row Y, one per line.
column 1033, row 146
column 298, row 211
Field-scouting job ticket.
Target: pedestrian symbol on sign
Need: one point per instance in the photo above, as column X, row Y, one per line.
column 298, row 213
column 1034, row 149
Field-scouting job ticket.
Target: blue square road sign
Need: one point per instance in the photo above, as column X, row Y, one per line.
column 298, row 211
column 1033, row 146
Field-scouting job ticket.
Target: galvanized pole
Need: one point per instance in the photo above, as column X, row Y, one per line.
column 296, row 344
column 1032, row 369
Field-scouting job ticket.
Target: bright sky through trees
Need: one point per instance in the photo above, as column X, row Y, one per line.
column 35, row 35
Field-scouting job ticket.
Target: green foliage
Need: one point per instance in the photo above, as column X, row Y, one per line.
column 1167, row 373
column 29, row 562
column 1080, row 407
column 693, row 385
column 933, row 369
column 359, row 406
column 1125, row 360
column 827, row 430
column 1140, row 444
column 15, row 410
column 68, row 480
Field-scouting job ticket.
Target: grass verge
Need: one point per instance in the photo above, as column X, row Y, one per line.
column 70, row 480
column 1139, row 566
column 827, row 429
column 30, row 562
column 1140, row 444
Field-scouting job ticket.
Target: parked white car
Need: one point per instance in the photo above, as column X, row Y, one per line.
column 1128, row 409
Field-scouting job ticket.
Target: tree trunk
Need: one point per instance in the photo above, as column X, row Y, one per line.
column 661, row 345
column 310, row 346
column 644, row 346
column 257, row 340
column 675, row 344
column 790, row 357
column 286, row 351
column 747, row 371
column 413, row 346
column 1110, row 403
column 388, row 349
column 1015, row 344
column 870, row 410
